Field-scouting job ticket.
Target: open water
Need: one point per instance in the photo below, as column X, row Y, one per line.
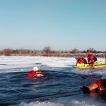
column 58, row 88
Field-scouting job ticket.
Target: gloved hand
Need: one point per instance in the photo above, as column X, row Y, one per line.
column 85, row 89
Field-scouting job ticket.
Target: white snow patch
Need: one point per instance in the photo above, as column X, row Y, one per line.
column 25, row 61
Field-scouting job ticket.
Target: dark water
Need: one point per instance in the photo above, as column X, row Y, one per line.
column 61, row 87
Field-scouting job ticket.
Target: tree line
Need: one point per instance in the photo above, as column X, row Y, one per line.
column 47, row 51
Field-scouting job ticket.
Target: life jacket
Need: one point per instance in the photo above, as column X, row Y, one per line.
column 81, row 60
column 91, row 58
column 39, row 73
column 33, row 74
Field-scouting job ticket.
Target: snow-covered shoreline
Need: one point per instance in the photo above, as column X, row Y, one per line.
column 25, row 61
column 7, row 62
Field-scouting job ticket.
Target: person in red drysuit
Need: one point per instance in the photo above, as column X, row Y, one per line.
column 81, row 60
column 35, row 73
column 91, row 58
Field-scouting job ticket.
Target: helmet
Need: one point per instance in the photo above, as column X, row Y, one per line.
column 35, row 69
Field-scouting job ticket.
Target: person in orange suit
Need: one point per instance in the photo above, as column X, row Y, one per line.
column 96, row 89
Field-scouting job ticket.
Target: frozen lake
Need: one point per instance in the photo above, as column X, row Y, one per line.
column 60, row 88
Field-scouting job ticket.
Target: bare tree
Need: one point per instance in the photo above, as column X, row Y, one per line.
column 47, row 50
column 75, row 50
column 7, row 52
column 92, row 50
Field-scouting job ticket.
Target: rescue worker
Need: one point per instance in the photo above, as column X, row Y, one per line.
column 91, row 58
column 81, row 60
column 96, row 89
column 35, row 73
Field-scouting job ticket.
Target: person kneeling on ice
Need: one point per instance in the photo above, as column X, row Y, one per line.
column 96, row 89
column 81, row 60
column 35, row 73
column 91, row 58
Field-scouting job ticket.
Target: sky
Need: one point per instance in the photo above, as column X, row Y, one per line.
column 60, row 24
